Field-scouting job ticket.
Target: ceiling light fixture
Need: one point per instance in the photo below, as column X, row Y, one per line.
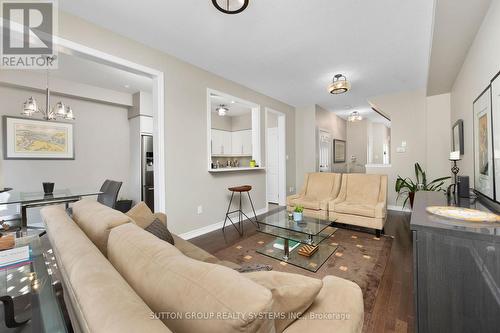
column 222, row 110
column 60, row 110
column 230, row 6
column 354, row 116
column 339, row 85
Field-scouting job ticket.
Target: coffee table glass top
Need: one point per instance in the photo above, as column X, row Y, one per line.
column 33, row 280
column 308, row 225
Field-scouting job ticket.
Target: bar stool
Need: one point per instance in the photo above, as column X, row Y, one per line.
column 240, row 190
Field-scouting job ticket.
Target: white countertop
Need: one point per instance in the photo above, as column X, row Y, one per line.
column 236, row 169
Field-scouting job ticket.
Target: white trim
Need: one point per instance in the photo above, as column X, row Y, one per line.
column 282, row 153
column 216, row 226
column 399, row 208
column 82, row 51
column 256, row 149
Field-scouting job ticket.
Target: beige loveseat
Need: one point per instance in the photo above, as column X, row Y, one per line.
column 362, row 201
column 117, row 277
column 318, row 190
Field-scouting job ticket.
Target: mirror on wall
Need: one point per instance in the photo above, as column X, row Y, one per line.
column 234, row 133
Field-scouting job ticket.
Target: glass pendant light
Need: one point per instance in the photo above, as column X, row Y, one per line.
column 30, row 107
column 230, row 6
column 354, row 116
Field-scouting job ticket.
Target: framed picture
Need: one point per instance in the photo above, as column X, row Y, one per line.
column 483, row 150
column 458, row 136
column 339, row 151
column 26, row 139
column 495, row 112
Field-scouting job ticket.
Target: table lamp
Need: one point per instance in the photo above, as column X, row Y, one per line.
column 454, row 157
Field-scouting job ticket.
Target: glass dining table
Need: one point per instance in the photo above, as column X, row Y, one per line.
column 38, row 199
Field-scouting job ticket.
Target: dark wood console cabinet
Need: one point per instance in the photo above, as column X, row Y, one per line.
column 456, row 271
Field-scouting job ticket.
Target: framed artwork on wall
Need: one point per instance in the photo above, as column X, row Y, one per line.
column 339, row 151
column 483, row 147
column 495, row 113
column 458, row 136
column 30, row 139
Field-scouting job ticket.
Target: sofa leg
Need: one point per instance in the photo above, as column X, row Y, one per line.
column 378, row 233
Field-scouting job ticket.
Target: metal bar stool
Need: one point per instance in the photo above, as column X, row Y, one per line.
column 240, row 190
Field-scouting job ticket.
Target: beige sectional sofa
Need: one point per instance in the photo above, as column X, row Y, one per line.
column 318, row 190
column 117, row 277
column 354, row 199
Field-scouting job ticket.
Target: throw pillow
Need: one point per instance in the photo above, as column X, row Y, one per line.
column 141, row 215
column 292, row 294
column 160, row 230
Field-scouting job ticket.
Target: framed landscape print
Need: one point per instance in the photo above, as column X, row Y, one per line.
column 458, row 136
column 37, row 139
column 339, row 151
column 483, row 149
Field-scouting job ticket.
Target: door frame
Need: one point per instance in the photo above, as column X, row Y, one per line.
column 82, row 51
column 282, row 155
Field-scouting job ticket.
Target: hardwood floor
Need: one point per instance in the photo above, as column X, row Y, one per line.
column 393, row 310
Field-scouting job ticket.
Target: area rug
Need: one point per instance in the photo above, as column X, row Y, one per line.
column 360, row 257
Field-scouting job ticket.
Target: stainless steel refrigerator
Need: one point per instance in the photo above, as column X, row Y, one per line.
column 148, row 188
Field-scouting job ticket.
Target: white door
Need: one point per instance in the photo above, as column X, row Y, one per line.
column 325, row 152
column 272, row 165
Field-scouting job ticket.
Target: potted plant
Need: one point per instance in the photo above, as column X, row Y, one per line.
column 407, row 187
column 298, row 213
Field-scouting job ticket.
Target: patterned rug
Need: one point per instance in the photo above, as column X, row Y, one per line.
column 360, row 257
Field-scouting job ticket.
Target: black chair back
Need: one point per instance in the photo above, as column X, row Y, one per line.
column 110, row 190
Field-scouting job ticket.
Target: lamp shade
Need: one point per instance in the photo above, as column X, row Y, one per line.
column 339, row 85
column 60, row 109
column 29, row 107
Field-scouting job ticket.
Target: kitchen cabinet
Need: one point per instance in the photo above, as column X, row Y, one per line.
column 221, row 142
column 242, row 143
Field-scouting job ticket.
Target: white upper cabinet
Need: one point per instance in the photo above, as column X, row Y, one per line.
column 221, row 142
column 242, row 143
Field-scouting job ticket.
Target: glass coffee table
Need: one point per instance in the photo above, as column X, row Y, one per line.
column 291, row 236
column 31, row 279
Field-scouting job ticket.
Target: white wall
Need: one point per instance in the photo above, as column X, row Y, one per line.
column 101, row 136
column 305, row 142
column 188, row 183
column 407, row 111
column 439, row 136
column 480, row 66
column 357, row 145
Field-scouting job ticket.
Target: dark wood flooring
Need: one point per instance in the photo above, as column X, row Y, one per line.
column 393, row 311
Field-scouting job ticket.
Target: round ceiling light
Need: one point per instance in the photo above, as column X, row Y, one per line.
column 339, row 85
column 354, row 116
column 231, row 6
column 222, row 110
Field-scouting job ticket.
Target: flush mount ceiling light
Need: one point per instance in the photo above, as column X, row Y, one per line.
column 354, row 116
column 222, row 110
column 231, row 6
column 339, row 85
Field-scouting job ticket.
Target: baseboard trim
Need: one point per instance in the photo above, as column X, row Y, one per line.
column 399, row 208
column 212, row 227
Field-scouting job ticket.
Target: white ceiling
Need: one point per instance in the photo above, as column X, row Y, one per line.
column 287, row 49
column 456, row 24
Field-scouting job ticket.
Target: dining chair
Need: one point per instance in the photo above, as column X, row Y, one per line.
column 110, row 189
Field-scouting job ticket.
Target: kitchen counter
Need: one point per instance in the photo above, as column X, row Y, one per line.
column 235, row 169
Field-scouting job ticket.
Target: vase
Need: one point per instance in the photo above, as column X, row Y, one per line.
column 297, row 217
column 412, row 198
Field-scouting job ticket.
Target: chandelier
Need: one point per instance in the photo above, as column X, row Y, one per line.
column 339, row 85
column 354, row 116
column 59, row 111
column 230, row 6
column 222, row 110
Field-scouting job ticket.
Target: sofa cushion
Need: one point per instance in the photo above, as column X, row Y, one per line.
column 160, row 230
column 96, row 221
column 338, row 308
column 320, row 185
column 354, row 208
column 363, row 188
column 101, row 300
column 293, row 294
column 168, row 281
column 306, row 202
column 141, row 215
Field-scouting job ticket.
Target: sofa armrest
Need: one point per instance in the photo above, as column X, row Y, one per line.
column 162, row 217
column 336, row 201
column 381, row 210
